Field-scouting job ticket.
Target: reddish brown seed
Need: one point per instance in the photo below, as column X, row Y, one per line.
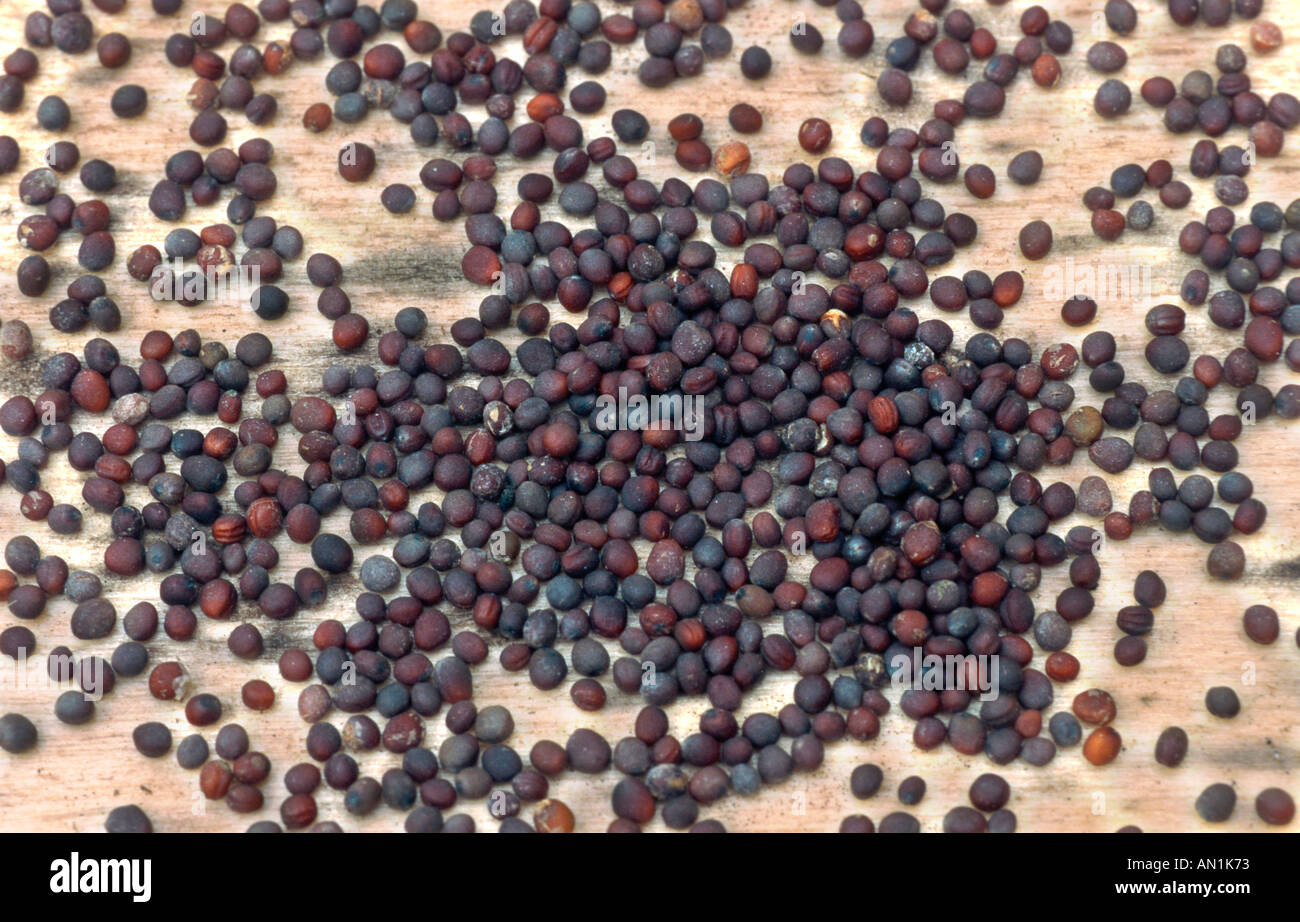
column 1102, row 745
column 1079, row 312
column 693, row 155
column 587, row 694
column 480, row 265
column 1208, row 370
column 1107, row 223
column 295, row 665
column 1061, row 666
column 815, row 135
column 1261, row 624
column 553, row 815
column 317, row 117
column 214, row 779
column 243, row 798
column 980, row 180
column 1117, row 526
column 168, row 682
column 732, row 158
column 298, row 811
column 356, row 161
column 1046, row 70
column 543, row 106
column 1275, row 806
column 258, row 695
column 350, row 332
column 276, row 58
column 1094, row 706
column 1265, row 36
column 745, row 118
column 1007, row 288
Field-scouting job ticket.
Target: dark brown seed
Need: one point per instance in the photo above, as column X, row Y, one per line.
column 745, row 118
column 1171, row 747
column 1216, row 803
column 356, row 161
column 1261, row 624
column 1222, row 701
column 1035, row 239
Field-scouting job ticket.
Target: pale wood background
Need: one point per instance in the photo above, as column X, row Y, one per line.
column 77, row 774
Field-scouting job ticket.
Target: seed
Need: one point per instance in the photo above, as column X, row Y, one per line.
column 130, row 101
column 1265, row 36
column 1061, row 666
column 1046, row 70
column 1107, row 57
column 1216, row 803
column 1094, row 706
column 745, row 118
column 1108, row 224
column 1102, row 745
column 911, row 790
column 1140, row 216
column 895, row 88
column 1130, row 651
column 806, row 38
column 53, row 114
column 1275, row 806
column 815, row 135
column 865, row 780
column 398, row 198
column 192, row 752
column 900, row 823
column 755, row 62
column 1079, row 311
column 1025, row 167
column 1261, row 624
column 1113, row 99
column 1171, row 747
column 356, row 161
column 1222, row 701
column 17, row 733
column 980, row 181
column 989, row 792
column 1226, row 560
column 152, row 739
column 1035, row 240
column 732, row 159
column 1120, row 15
column 129, row 818
column 114, row 50
column 168, row 682
column 553, row 816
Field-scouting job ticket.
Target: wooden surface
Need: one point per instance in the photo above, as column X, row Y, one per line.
column 77, row 774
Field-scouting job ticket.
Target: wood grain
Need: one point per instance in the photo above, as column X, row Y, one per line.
column 77, row 774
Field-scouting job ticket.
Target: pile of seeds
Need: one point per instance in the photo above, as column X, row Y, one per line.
column 853, row 486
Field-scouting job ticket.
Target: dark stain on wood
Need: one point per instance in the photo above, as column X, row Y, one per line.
column 1286, row 569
